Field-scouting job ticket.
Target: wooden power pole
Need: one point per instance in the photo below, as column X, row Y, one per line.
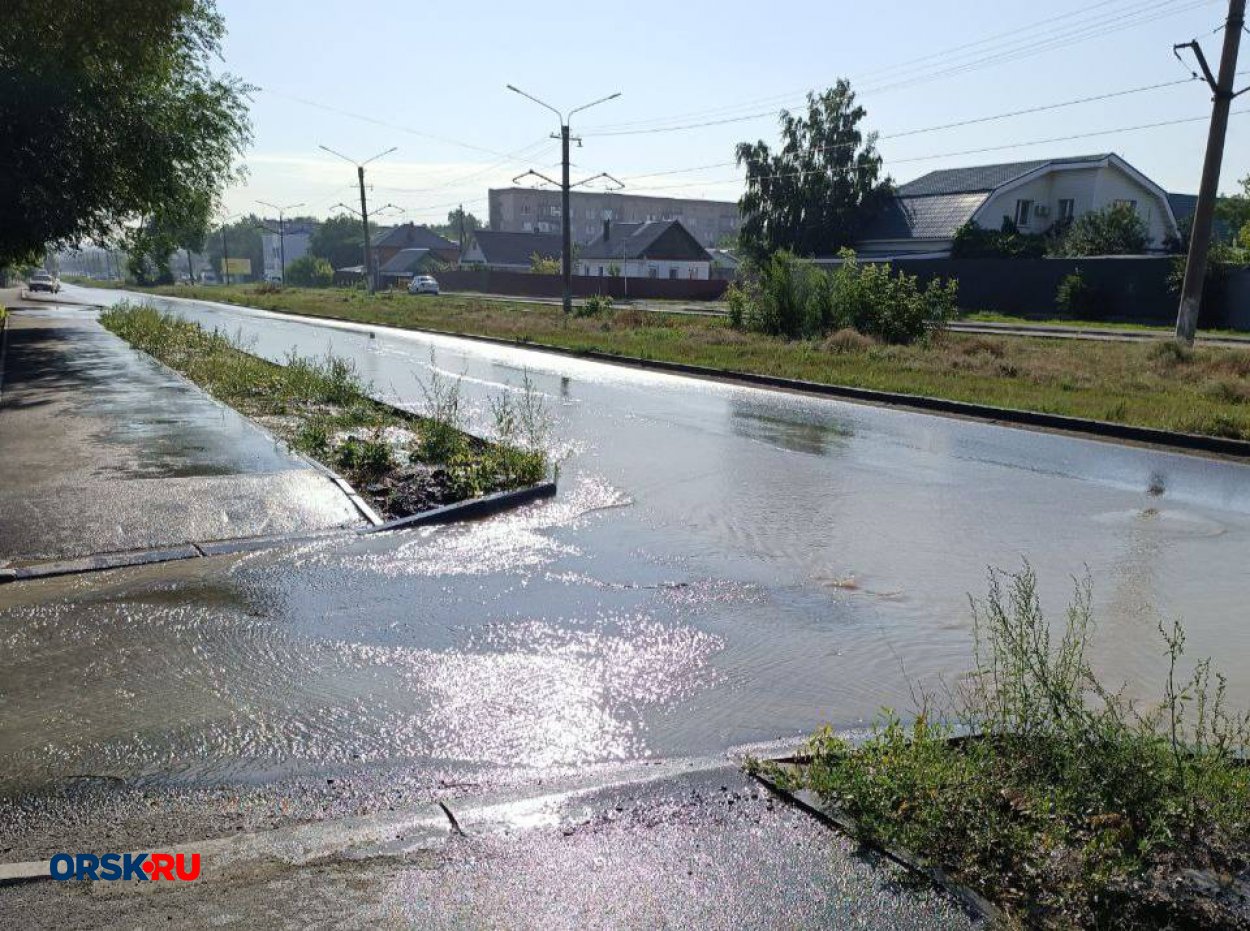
column 1204, row 214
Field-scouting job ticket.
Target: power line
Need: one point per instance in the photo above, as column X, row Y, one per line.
column 997, row 148
column 1103, row 25
column 954, row 125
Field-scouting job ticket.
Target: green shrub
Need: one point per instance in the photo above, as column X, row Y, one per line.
column 364, row 459
column 1076, row 296
column 787, row 297
column 593, row 306
column 309, row 271
column 1114, row 230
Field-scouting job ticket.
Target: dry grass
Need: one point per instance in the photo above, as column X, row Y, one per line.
column 1205, row 390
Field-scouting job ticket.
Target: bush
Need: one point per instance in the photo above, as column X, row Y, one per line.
column 973, row 242
column 310, row 272
column 593, row 306
column 1114, row 230
column 787, row 297
column 1078, row 297
column 364, row 460
column 267, row 287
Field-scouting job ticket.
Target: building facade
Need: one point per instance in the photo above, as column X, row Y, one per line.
column 923, row 216
column 293, row 244
column 537, row 210
column 652, row 249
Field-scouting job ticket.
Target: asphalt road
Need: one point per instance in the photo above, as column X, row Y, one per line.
column 722, row 566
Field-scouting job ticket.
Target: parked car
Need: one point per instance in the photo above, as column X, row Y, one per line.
column 43, row 281
column 423, row 284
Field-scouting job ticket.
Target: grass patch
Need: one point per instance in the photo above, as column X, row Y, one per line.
column 403, row 462
column 1100, row 380
column 1074, row 806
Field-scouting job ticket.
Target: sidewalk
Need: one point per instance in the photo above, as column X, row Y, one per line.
column 103, row 450
column 706, row 849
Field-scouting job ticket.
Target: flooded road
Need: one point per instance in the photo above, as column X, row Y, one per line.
column 722, row 565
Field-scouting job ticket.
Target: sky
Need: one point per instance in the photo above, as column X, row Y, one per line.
column 695, row 79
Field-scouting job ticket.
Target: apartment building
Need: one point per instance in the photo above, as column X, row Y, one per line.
column 537, row 210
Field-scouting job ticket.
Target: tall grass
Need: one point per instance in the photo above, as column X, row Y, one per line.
column 1072, row 804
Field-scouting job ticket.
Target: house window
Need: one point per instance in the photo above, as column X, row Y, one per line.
column 1067, row 208
column 600, row 271
column 1024, row 212
column 672, row 271
column 1130, row 204
column 653, row 272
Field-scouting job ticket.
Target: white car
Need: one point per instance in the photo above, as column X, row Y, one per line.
column 42, row 281
column 423, row 284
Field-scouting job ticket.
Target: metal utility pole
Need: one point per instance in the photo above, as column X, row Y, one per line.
column 281, row 231
column 566, row 225
column 1204, row 214
column 370, row 283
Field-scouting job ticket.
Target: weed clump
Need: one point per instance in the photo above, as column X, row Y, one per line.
column 1065, row 801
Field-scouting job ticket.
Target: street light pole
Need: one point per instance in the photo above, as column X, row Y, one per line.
column 281, row 232
column 566, row 226
column 370, row 285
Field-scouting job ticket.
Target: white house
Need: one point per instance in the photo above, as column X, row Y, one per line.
column 922, row 217
column 655, row 249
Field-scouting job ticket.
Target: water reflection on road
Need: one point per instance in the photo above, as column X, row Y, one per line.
column 722, row 565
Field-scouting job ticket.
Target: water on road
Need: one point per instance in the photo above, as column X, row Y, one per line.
column 722, row 565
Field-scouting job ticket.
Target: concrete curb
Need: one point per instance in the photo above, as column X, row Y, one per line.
column 470, row 509
column 810, row 804
column 1002, row 416
column 1094, row 429
column 389, row 834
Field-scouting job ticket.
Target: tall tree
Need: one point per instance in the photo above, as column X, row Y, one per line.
column 111, row 117
column 812, row 195
column 452, row 229
column 242, row 242
column 339, row 240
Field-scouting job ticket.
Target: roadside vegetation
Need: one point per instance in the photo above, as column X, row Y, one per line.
column 403, row 463
column 1205, row 390
column 783, row 296
column 1064, row 801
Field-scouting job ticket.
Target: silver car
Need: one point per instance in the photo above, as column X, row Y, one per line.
column 423, row 284
column 43, row 281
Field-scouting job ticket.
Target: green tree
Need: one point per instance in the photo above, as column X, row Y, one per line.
column 1234, row 211
column 451, row 229
column 339, row 240
column 310, row 271
column 242, row 242
column 544, row 265
column 815, row 192
column 111, row 116
column 1114, row 230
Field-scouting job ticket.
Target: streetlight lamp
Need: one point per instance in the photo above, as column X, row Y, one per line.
column 364, row 209
column 281, row 230
column 566, row 261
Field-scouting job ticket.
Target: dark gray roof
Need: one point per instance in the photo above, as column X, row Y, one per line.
column 634, row 240
column 405, row 262
column 411, row 236
column 983, row 178
column 503, row 248
column 933, row 217
column 1183, row 205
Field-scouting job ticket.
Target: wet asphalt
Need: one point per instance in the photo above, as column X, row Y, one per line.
column 722, row 566
column 102, row 450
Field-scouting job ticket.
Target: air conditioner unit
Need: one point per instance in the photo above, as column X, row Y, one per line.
column 1042, row 210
